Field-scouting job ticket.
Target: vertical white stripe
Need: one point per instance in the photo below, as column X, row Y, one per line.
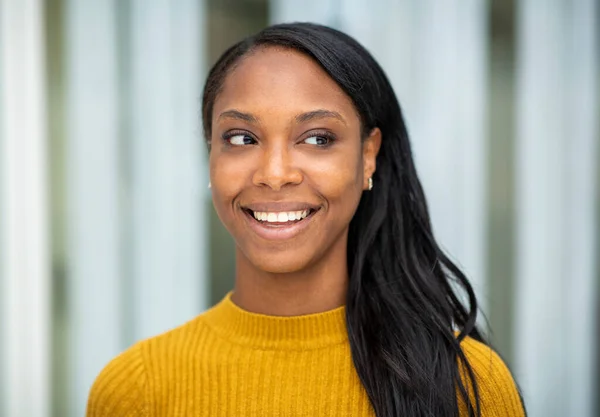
column 24, row 260
column 540, row 180
column 168, row 211
column 3, row 236
column 471, row 96
column 92, row 116
column 448, row 105
column 556, row 145
column 581, row 256
column 188, row 72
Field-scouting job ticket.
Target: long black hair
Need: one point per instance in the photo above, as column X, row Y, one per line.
column 405, row 321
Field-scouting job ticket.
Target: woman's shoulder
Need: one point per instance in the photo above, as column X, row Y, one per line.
column 121, row 388
column 498, row 392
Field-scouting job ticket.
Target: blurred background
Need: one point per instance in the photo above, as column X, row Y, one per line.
column 107, row 232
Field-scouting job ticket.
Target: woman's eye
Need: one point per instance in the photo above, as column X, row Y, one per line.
column 318, row 140
column 241, row 140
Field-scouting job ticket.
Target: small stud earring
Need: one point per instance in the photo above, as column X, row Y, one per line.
column 209, row 185
column 370, row 183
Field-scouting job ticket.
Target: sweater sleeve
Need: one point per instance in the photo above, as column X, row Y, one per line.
column 498, row 393
column 119, row 390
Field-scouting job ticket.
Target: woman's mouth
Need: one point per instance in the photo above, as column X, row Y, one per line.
column 279, row 225
column 281, row 217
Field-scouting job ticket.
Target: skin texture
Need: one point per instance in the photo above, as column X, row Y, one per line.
column 281, row 104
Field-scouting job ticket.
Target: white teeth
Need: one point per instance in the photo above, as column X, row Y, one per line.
column 280, row 217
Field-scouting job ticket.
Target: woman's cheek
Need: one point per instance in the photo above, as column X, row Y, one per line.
column 336, row 178
column 226, row 183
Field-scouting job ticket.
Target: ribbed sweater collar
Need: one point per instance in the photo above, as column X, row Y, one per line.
column 311, row 331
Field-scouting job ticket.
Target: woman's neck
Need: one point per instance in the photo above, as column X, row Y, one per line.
column 320, row 287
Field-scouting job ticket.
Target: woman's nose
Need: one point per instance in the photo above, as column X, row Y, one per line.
column 277, row 169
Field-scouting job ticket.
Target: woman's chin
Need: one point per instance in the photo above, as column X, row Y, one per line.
column 281, row 263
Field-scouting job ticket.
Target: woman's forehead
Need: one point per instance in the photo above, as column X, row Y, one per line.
column 276, row 79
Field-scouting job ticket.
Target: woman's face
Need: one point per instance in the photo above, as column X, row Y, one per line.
column 287, row 165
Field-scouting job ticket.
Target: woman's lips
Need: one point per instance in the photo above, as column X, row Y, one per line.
column 279, row 206
column 275, row 230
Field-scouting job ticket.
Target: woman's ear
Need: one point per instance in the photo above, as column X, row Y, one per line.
column 371, row 147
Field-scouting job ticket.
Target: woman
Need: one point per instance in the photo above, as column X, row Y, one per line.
column 344, row 304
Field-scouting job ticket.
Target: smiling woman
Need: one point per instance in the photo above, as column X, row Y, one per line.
column 286, row 138
column 343, row 302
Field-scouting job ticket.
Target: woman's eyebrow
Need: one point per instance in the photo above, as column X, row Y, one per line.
column 238, row 115
column 319, row 114
column 301, row 118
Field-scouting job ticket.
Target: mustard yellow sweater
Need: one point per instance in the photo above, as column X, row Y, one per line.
column 230, row 362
